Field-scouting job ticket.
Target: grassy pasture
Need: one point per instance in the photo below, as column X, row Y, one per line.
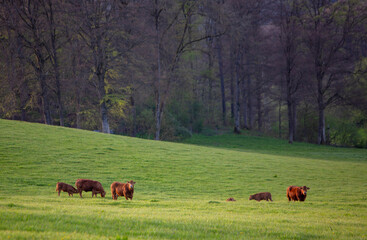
column 181, row 187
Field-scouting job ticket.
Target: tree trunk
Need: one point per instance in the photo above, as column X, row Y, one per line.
column 259, row 101
column 104, row 115
column 78, row 112
column 259, row 110
column 244, row 105
column 249, row 103
column 221, row 76
column 133, row 112
column 294, row 111
column 290, row 120
column 58, row 89
column 232, row 82
column 103, row 108
column 321, row 131
column 158, row 115
column 158, row 122
column 45, row 99
column 42, row 81
column 321, row 139
column 76, row 87
column 54, row 58
column 210, row 114
column 237, row 96
column 280, row 118
column 290, row 102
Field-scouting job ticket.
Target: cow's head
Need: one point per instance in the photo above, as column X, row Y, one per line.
column 304, row 190
column 131, row 184
column 251, row 197
column 103, row 194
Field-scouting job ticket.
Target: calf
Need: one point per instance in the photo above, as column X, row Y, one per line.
column 261, row 196
column 297, row 193
column 60, row 186
column 122, row 189
column 89, row 185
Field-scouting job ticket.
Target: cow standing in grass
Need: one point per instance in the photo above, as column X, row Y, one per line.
column 60, row 186
column 297, row 193
column 122, row 189
column 89, row 185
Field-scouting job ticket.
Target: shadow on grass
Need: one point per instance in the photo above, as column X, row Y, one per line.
column 272, row 146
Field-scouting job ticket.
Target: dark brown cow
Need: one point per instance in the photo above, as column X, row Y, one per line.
column 231, row 199
column 261, row 196
column 297, row 193
column 122, row 189
column 89, row 185
column 60, row 186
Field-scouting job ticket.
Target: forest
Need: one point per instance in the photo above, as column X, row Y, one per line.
column 167, row 69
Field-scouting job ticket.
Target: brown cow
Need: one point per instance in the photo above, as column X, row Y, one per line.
column 231, row 199
column 89, row 185
column 60, row 186
column 297, row 193
column 261, row 196
column 122, row 189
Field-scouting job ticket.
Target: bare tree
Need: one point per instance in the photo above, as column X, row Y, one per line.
column 52, row 46
column 328, row 26
column 30, row 28
column 174, row 22
column 289, row 38
column 97, row 22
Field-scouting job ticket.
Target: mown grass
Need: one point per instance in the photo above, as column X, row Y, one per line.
column 181, row 188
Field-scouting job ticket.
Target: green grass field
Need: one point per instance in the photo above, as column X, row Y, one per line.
column 180, row 188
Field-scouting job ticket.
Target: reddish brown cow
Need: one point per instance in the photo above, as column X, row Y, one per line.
column 89, row 185
column 122, row 189
column 231, row 199
column 60, row 186
column 261, row 196
column 297, row 193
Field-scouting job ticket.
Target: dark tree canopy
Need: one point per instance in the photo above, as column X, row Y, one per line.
column 167, row 69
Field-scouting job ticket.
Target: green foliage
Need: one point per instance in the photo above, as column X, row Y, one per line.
column 208, row 74
column 361, row 138
column 90, row 119
column 172, row 129
column 198, row 123
column 307, row 124
column 182, row 117
column 145, row 122
column 349, row 131
column 190, row 56
column 361, row 75
column 208, row 132
column 116, row 104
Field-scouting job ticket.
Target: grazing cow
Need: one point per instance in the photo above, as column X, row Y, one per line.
column 230, row 199
column 60, row 186
column 297, row 193
column 261, row 196
column 122, row 189
column 89, row 185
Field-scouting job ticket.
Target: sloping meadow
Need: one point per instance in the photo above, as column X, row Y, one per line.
column 180, row 188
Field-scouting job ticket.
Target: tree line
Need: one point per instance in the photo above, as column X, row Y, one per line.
column 166, row 69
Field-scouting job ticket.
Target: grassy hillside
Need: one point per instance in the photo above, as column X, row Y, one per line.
column 181, row 188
